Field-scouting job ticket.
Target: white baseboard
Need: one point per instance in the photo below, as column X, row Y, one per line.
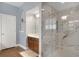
column 21, row 46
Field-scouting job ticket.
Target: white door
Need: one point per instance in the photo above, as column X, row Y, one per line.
column 4, row 30
column 11, row 30
column 0, row 32
column 8, row 31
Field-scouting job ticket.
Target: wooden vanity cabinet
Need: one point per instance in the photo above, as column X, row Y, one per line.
column 33, row 44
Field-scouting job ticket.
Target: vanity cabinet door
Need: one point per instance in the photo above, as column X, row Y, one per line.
column 36, row 45
column 30, row 43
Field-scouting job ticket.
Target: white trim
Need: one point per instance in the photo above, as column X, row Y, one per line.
column 21, row 46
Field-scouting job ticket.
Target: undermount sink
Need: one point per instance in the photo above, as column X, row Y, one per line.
column 34, row 35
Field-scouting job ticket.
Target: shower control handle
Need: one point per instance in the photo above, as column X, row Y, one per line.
column 65, row 36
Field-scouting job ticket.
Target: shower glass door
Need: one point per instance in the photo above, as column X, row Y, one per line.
column 70, row 30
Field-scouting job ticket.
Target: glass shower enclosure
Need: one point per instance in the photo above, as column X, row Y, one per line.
column 60, row 29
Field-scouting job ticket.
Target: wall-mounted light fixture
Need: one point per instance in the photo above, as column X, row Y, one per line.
column 22, row 20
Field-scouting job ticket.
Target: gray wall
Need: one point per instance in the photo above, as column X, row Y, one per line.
column 12, row 10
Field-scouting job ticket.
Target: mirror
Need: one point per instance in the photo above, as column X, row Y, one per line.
column 33, row 21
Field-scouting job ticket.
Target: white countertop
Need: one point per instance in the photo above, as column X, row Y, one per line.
column 34, row 35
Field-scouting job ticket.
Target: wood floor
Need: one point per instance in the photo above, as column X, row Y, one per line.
column 11, row 52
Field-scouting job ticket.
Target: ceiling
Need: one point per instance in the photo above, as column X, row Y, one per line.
column 61, row 6
column 17, row 4
column 57, row 5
